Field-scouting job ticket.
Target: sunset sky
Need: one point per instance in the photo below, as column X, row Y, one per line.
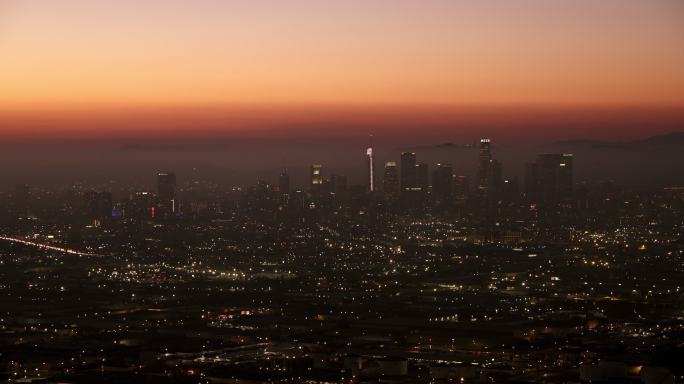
column 130, row 67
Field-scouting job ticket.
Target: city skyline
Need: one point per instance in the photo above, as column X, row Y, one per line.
column 237, row 163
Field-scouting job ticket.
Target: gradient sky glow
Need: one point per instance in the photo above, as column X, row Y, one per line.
column 61, row 57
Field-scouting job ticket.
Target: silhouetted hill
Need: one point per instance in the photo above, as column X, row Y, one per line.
column 674, row 138
column 449, row 145
column 669, row 140
column 652, row 161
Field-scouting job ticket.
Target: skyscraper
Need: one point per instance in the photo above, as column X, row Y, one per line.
column 141, row 206
column 316, row 178
column 483, row 172
column 531, row 187
column 461, row 187
column 555, row 176
column 442, row 183
column 166, row 185
column 489, row 173
column 100, row 207
column 166, row 193
column 338, row 184
column 408, row 171
column 550, row 179
column 391, row 180
column 422, row 177
column 495, row 177
column 370, row 169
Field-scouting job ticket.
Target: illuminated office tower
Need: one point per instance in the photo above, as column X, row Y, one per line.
column 489, row 172
column 484, row 169
column 408, row 171
column 316, row 178
column 370, row 169
column 390, row 181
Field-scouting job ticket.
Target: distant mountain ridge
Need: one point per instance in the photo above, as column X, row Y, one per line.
column 449, row 145
column 668, row 139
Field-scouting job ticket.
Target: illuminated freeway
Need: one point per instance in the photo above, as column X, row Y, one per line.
column 47, row 247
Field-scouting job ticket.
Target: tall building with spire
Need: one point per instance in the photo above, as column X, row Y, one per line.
column 483, row 171
column 489, row 173
column 370, row 169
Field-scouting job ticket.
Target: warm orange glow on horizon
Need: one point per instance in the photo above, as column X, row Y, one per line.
column 330, row 121
column 68, row 56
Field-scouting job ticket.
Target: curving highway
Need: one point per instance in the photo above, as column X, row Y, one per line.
column 46, row 246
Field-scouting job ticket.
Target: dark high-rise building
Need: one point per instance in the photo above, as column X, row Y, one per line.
column 100, row 206
column 166, row 185
column 442, row 183
column 284, row 182
column 510, row 189
column 422, row 177
column 461, row 186
column 531, row 182
column 555, row 177
column 338, row 184
column 390, row 181
column 140, row 206
column 495, row 178
column 262, row 187
column 408, row 171
column 166, row 194
column 370, row 169
column 550, row 179
column 297, row 200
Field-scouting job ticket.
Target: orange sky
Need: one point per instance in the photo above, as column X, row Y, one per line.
column 61, row 57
